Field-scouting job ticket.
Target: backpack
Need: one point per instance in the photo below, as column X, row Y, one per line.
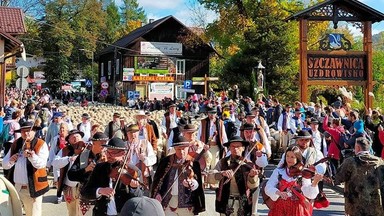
column 344, row 137
column 5, row 136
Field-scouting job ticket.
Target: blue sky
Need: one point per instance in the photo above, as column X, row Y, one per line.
column 181, row 9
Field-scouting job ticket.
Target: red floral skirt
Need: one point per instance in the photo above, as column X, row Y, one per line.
column 291, row 207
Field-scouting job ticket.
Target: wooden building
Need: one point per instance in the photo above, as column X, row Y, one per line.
column 154, row 60
column 11, row 25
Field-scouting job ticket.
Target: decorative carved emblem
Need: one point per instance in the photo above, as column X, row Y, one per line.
column 335, row 42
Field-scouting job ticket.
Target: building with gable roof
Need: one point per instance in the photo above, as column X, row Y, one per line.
column 11, row 25
column 155, row 60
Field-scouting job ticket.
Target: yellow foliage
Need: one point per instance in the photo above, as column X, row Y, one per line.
column 233, row 49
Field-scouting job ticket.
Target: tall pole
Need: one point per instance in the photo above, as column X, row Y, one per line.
column 92, row 76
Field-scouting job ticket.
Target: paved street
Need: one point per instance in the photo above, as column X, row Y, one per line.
column 335, row 198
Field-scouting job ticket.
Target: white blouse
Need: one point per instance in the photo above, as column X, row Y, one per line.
column 271, row 187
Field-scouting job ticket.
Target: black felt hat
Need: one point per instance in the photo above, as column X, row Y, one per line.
column 27, row 125
column 74, row 131
column 212, row 110
column 116, row 143
column 303, row 134
column 236, row 139
column 189, row 128
column 248, row 126
column 99, row 136
column 86, row 115
column 180, row 141
column 314, row 121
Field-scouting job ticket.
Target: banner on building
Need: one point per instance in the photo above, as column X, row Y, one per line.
column 160, row 48
column 161, row 90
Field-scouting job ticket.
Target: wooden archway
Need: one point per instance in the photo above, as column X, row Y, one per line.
column 334, row 65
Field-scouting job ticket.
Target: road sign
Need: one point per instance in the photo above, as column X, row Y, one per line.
column 133, row 94
column 198, row 83
column 21, row 83
column 212, row 78
column 22, row 71
column 188, row 90
column 137, row 94
column 104, row 85
column 198, row 79
column 88, row 83
column 104, row 92
column 188, row 84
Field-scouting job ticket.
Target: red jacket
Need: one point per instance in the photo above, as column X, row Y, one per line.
column 335, row 133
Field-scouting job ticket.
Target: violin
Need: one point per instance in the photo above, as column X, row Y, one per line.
column 189, row 173
column 305, row 172
column 125, row 174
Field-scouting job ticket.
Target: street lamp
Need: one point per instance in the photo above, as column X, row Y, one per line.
column 92, row 56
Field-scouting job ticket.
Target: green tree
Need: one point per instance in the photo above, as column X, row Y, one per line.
column 112, row 23
column 68, row 27
column 132, row 16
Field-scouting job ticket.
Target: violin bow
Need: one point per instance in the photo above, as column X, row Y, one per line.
column 241, row 162
column 185, row 165
column 121, row 170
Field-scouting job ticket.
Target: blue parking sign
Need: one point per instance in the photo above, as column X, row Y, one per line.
column 188, row 84
column 137, row 95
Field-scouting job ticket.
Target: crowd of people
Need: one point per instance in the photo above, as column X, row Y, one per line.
column 221, row 143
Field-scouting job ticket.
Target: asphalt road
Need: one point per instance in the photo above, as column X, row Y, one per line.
column 336, row 202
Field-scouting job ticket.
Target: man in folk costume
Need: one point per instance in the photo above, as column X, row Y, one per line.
column 104, row 184
column 257, row 156
column 198, row 150
column 177, row 182
column 212, row 133
column 140, row 153
column 26, row 161
column 363, row 178
column 85, row 163
column 196, row 146
column 155, row 130
column 284, row 127
column 175, row 133
column 146, row 131
column 296, row 123
column 115, row 128
column 170, row 120
column 64, row 160
column 318, row 138
column 260, row 135
column 233, row 197
column 85, row 126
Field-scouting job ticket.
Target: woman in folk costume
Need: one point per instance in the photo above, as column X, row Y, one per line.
column 289, row 190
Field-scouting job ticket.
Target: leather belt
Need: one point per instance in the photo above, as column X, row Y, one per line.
column 235, row 197
column 24, row 187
